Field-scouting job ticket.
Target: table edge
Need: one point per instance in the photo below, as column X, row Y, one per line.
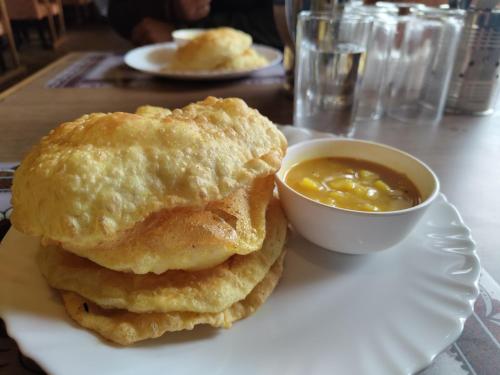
column 18, row 86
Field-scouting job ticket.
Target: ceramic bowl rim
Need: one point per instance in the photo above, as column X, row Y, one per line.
column 432, row 196
column 175, row 33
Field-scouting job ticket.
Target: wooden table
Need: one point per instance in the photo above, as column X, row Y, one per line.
column 29, row 110
column 463, row 151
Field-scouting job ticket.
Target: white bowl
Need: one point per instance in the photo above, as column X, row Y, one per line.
column 182, row 36
column 350, row 231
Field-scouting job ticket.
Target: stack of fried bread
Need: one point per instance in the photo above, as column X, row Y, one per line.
column 156, row 221
column 217, row 49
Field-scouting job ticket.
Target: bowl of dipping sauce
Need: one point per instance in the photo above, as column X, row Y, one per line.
column 182, row 36
column 354, row 196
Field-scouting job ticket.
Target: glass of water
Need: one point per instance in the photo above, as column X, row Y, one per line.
column 331, row 51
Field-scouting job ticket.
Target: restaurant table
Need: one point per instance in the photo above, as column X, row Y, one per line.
column 464, row 151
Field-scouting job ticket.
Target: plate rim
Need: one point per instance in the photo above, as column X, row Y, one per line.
column 200, row 75
column 477, row 269
column 458, row 320
column 472, row 255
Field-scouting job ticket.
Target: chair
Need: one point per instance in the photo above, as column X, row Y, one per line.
column 38, row 11
column 13, row 69
column 81, row 8
column 5, row 30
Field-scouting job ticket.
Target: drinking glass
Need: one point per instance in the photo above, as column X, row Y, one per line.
column 331, row 50
column 381, row 40
column 292, row 10
column 421, row 74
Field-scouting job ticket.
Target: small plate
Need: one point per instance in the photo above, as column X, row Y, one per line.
column 153, row 59
column 381, row 314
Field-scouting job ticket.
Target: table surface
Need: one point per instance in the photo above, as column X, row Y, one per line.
column 464, row 151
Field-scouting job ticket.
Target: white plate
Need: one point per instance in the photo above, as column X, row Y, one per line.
column 153, row 59
column 387, row 313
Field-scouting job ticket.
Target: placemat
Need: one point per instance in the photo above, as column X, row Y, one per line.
column 476, row 352
column 107, row 69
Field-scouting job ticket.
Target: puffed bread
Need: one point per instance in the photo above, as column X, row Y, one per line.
column 210, row 49
column 188, row 238
column 249, row 59
column 91, row 179
column 125, row 328
column 211, row 290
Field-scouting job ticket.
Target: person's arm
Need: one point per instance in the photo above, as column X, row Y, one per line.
column 124, row 15
column 152, row 21
column 258, row 22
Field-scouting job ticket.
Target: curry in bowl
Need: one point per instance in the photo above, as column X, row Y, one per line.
column 353, row 184
column 319, row 178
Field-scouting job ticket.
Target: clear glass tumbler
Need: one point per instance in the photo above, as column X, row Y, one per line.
column 383, row 31
column 331, row 51
column 417, row 90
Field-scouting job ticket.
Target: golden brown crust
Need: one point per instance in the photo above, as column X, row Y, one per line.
column 211, row 290
column 190, row 238
column 153, row 111
column 125, row 328
column 210, row 49
column 93, row 178
column 249, row 59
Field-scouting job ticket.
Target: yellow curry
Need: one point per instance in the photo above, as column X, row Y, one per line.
column 353, row 184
